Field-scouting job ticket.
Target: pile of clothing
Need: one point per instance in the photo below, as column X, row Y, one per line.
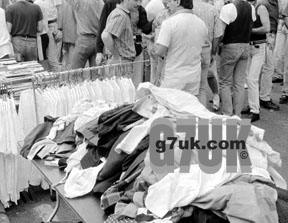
column 111, row 157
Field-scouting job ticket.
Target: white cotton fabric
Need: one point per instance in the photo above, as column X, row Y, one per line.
column 81, row 182
column 179, row 103
column 13, row 178
column 75, row 99
column 180, row 189
column 74, row 160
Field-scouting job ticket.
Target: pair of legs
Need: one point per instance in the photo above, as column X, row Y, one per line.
column 85, row 50
column 233, row 62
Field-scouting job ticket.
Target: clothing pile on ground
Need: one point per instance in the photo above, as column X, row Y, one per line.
column 108, row 153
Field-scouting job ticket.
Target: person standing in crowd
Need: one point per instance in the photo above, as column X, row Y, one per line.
column 6, row 48
column 237, row 18
column 44, row 38
column 208, row 14
column 284, row 96
column 118, row 35
column 256, row 58
column 55, row 35
column 67, row 24
column 87, row 13
column 181, row 39
column 139, row 24
column 268, row 67
column 24, row 20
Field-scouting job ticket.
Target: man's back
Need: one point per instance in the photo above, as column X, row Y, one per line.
column 184, row 34
column 24, row 17
column 87, row 14
column 209, row 15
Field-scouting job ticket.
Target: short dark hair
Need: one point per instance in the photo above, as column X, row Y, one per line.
column 187, row 4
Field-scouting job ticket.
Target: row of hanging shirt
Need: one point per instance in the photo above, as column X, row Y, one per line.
column 59, row 101
column 13, row 176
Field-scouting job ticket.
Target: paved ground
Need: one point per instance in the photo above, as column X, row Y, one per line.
column 275, row 124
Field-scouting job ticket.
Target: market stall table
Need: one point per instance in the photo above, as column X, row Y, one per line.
column 87, row 207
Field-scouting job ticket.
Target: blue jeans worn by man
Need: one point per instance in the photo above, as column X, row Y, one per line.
column 234, row 58
column 25, row 49
column 85, row 50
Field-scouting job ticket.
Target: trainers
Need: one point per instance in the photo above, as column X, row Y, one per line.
column 269, row 105
column 216, row 102
column 254, row 117
column 246, row 110
column 283, row 99
column 277, row 79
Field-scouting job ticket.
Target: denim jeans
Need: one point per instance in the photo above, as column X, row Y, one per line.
column 205, row 64
column 267, row 69
column 279, row 51
column 233, row 64
column 25, row 49
column 255, row 63
column 85, row 50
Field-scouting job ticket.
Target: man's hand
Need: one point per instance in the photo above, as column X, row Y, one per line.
column 114, row 60
column 99, row 59
column 58, row 36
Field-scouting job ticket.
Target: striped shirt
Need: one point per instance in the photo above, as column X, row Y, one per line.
column 119, row 26
column 209, row 15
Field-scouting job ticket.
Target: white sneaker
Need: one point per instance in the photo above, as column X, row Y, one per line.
column 245, row 86
column 216, row 102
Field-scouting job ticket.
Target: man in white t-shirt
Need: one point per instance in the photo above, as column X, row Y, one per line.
column 180, row 41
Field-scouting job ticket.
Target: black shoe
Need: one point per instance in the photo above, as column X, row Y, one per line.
column 269, row 105
column 254, row 117
column 277, row 80
column 283, row 99
column 246, row 110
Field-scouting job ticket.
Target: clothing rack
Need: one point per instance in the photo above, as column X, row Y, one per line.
column 59, row 78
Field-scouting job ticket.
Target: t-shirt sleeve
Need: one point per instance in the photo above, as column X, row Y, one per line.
column 164, row 37
column 40, row 14
column 8, row 14
column 115, row 24
column 228, row 13
column 285, row 10
column 218, row 30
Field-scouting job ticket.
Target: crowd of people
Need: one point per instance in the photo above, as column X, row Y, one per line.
column 191, row 44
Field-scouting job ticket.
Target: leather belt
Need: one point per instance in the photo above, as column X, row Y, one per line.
column 257, row 42
column 25, row 36
column 52, row 21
